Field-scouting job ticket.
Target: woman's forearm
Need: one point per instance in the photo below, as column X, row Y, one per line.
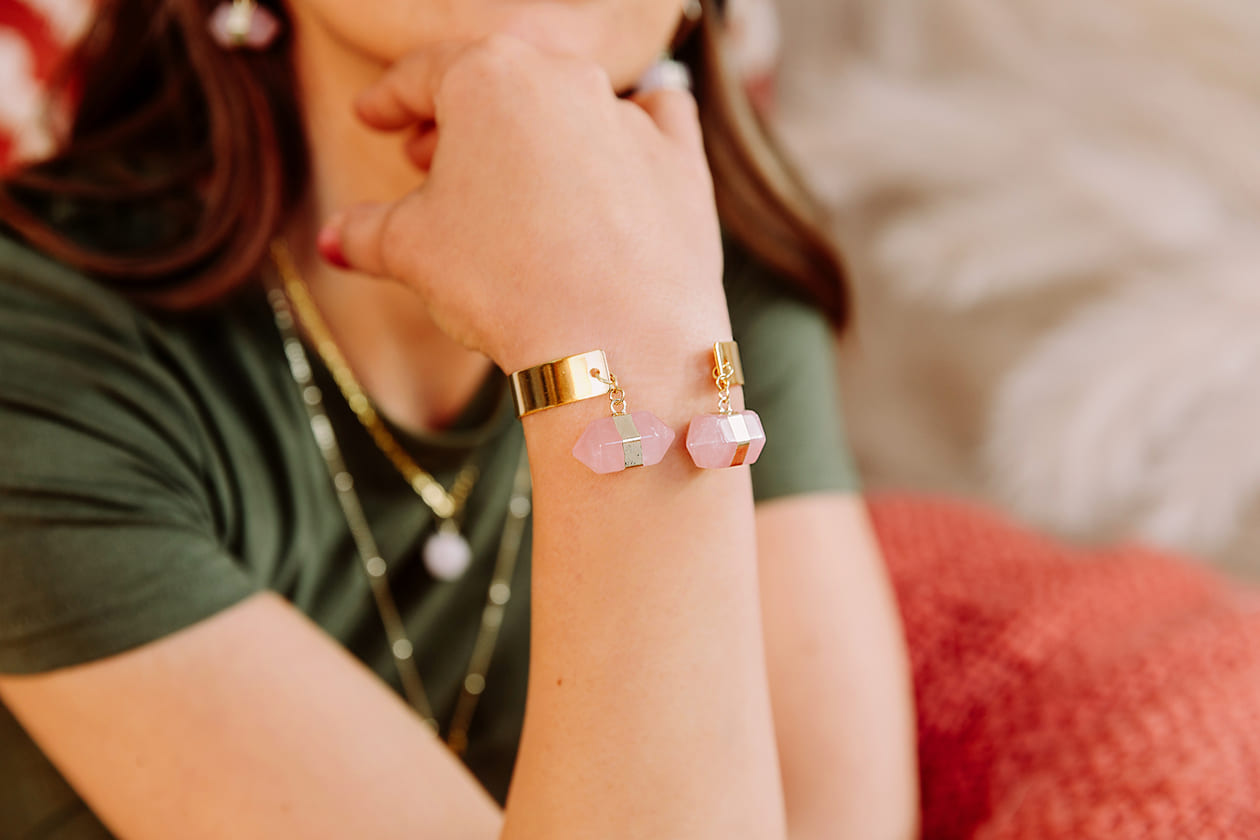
column 596, row 226
column 839, row 673
column 648, row 711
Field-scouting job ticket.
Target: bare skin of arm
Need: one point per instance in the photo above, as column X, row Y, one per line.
column 252, row 724
column 648, row 712
column 295, row 738
column 839, row 675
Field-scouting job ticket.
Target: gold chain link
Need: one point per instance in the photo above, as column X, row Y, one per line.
column 375, row 567
column 722, row 377
column 444, row 504
column 616, row 394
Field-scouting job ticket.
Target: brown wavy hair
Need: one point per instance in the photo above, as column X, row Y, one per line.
column 184, row 160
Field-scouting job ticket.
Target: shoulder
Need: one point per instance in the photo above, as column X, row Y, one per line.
column 752, row 286
column 77, row 355
column 776, row 326
column 788, row 350
column 70, row 342
column 107, row 527
column 37, row 291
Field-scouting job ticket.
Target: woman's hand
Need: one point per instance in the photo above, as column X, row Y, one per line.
column 556, row 217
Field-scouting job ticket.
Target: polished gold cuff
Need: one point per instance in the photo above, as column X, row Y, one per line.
column 561, row 382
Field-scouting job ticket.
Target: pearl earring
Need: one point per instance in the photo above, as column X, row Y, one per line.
column 692, row 10
column 243, row 24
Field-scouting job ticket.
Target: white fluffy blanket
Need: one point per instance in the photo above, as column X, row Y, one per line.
column 1053, row 212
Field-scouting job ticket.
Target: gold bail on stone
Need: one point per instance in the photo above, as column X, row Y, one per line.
column 726, row 438
column 631, row 440
column 727, row 371
column 724, row 353
column 623, row 421
column 626, row 439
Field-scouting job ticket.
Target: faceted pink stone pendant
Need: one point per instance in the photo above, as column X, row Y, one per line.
column 716, row 441
column 611, row 444
column 243, row 24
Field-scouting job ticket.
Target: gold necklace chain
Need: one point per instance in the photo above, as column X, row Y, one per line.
column 374, row 565
column 446, row 505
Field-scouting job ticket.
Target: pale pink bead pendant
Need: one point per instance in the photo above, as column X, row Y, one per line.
column 243, row 25
column 716, row 441
column 611, row 444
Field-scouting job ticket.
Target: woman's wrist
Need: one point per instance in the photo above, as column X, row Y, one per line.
column 667, row 378
column 652, row 338
column 673, row 386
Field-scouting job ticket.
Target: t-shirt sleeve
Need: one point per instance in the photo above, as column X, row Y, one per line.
column 107, row 535
column 788, row 352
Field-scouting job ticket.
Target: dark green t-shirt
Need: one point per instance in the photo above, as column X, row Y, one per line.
column 156, row 469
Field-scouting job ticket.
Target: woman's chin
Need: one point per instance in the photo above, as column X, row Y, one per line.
column 623, row 36
column 618, row 36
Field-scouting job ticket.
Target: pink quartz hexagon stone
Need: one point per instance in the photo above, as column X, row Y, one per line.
column 610, row 444
column 716, row 441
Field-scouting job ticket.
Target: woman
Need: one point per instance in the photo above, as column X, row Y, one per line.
column 192, row 592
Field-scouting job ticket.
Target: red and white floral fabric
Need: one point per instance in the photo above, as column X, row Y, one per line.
column 34, row 38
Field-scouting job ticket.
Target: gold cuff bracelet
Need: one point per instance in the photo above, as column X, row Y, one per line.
column 561, row 382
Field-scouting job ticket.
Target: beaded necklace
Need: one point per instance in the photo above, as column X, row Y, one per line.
column 374, row 565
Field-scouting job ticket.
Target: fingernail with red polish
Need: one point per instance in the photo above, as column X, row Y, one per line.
column 328, row 243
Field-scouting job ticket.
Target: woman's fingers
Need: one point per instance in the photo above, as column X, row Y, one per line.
column 675, row 113
column 422, row 145
column 407, row 93
column 537, row 172
column 355, row 239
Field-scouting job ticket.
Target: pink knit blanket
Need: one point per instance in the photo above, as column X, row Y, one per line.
column 1065, row 693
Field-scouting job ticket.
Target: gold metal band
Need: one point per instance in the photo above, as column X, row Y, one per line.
column 728, row 351
column 743, row 439
column 631, row 440
column 561, row 382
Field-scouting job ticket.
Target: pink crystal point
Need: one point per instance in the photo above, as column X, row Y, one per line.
column 725, row 440
column 240, row 25
column 610, row 444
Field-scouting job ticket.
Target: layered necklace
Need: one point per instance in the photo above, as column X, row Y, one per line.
column 446, row 553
